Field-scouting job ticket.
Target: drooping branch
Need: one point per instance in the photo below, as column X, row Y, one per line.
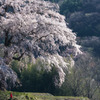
column 19, row 58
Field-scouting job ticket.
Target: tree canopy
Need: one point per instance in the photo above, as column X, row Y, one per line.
column 35, row 28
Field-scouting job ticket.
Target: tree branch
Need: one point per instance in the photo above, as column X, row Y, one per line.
column 7, row 39
column 42, row 37
column 18, row 58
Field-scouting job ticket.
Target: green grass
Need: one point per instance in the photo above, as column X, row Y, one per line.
column 4, row 95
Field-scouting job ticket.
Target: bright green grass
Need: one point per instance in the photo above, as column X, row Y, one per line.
column 4, row 95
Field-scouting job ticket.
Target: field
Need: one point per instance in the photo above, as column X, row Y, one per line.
column 5, row 95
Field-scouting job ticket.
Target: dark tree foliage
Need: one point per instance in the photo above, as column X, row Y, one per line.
column 87, row 22
column 70, row 6
column 53, row 0
column 37, row 79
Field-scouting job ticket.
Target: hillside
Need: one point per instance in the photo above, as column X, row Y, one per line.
column 36, row 96
column 84, row 17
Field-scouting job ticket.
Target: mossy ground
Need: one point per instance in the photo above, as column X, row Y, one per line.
column 5, row 95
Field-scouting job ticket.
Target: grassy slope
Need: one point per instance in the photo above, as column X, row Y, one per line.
column 35, row 96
